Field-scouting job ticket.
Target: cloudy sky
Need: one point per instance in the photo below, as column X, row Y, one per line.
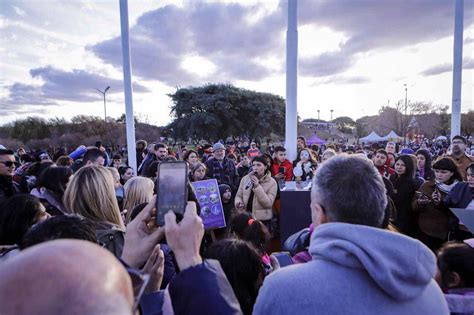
column 354, row 55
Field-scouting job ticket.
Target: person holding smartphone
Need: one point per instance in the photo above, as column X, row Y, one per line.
column 282, row 168
column 257, row 191
column 305, row 165
column 433, row 217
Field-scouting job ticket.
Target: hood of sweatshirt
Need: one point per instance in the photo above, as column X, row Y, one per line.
column 401, row 266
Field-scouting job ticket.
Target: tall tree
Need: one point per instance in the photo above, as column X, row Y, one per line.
column 345, row 124
column 30, row 128
column 467, row 123
column 217, row 111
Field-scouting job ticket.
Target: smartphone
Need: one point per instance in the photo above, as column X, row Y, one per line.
column 281, row 170
column 171, row 190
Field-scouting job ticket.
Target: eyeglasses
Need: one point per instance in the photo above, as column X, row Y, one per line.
column 8, row 163
column 139, row 282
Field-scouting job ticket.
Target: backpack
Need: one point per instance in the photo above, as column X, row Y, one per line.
column 297, row 242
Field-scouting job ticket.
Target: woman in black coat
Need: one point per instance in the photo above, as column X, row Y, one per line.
column 404, row 189
column 423, row 158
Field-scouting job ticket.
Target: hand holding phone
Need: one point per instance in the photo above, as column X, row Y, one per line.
column 436, row 196
column 172, row 190
column 422, row 199
column 184, row 238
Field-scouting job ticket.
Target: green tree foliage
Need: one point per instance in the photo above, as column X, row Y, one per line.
column 30, row 128
column 216, row 111
column 345, row 124
column 36, row 133
column 467, row 123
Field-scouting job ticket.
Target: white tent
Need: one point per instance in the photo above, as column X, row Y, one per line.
column 373, row 137
column 392, row 136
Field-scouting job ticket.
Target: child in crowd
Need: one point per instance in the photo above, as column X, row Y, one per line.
column 244, row 226
column 455, row 275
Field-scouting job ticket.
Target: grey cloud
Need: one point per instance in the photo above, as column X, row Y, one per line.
column 447, row 67
column 21, row 94
column 376, row 25
column 325, row 64
column 387, row 24
column 344, row 80
column 12, row 109
column 468, row 64
column 75, row 86
column 163, row 37
column 438, row 69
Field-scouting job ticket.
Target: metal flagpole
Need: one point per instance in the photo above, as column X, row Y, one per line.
column 291, row 121
column 127, row 83
column 457, row 68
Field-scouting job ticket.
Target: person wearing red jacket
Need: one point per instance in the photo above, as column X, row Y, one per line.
column 382, row 163
column 282, row 168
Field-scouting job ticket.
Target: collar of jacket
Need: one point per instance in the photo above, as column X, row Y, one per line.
column 265, row 178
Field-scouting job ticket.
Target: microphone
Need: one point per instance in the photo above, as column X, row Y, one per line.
column 249, row 183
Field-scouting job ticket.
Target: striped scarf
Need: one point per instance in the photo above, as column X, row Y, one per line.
column 222, row 172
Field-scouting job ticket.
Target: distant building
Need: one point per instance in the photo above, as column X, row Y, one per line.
column 318, row 125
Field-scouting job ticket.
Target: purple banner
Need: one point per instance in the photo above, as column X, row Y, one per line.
column 209, row 198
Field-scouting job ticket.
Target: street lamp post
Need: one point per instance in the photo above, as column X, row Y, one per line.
column 105, row 111
column 318, row 114
column 332, row 110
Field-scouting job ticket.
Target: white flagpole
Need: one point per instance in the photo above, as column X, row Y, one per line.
column 127, row 84
column 457, row 68
column 291, row 121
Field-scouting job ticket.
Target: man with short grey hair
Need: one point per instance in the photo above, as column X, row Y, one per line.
column 357, row 267
column 222, row 168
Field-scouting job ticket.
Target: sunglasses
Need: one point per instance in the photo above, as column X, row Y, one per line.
column 8, row 163
column 139, row 282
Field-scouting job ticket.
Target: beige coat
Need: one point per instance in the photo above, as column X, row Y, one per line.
column 264, row 196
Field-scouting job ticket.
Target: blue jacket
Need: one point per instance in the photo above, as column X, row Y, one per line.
column 460, row 196
column 356, row 270
column 202, row 289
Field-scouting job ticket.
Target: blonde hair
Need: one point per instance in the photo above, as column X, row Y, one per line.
column 91, row 194
column 329, row 153
column 115, row 173
column 138, row 190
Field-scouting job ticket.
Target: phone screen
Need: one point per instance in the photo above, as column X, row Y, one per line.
column 172, row 191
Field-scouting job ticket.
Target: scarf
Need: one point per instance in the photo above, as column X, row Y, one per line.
column 445, row 187
column 221, row 172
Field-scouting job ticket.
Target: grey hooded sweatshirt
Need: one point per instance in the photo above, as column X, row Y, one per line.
column 356, row 270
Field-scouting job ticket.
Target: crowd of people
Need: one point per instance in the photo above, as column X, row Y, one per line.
column 78, row 231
